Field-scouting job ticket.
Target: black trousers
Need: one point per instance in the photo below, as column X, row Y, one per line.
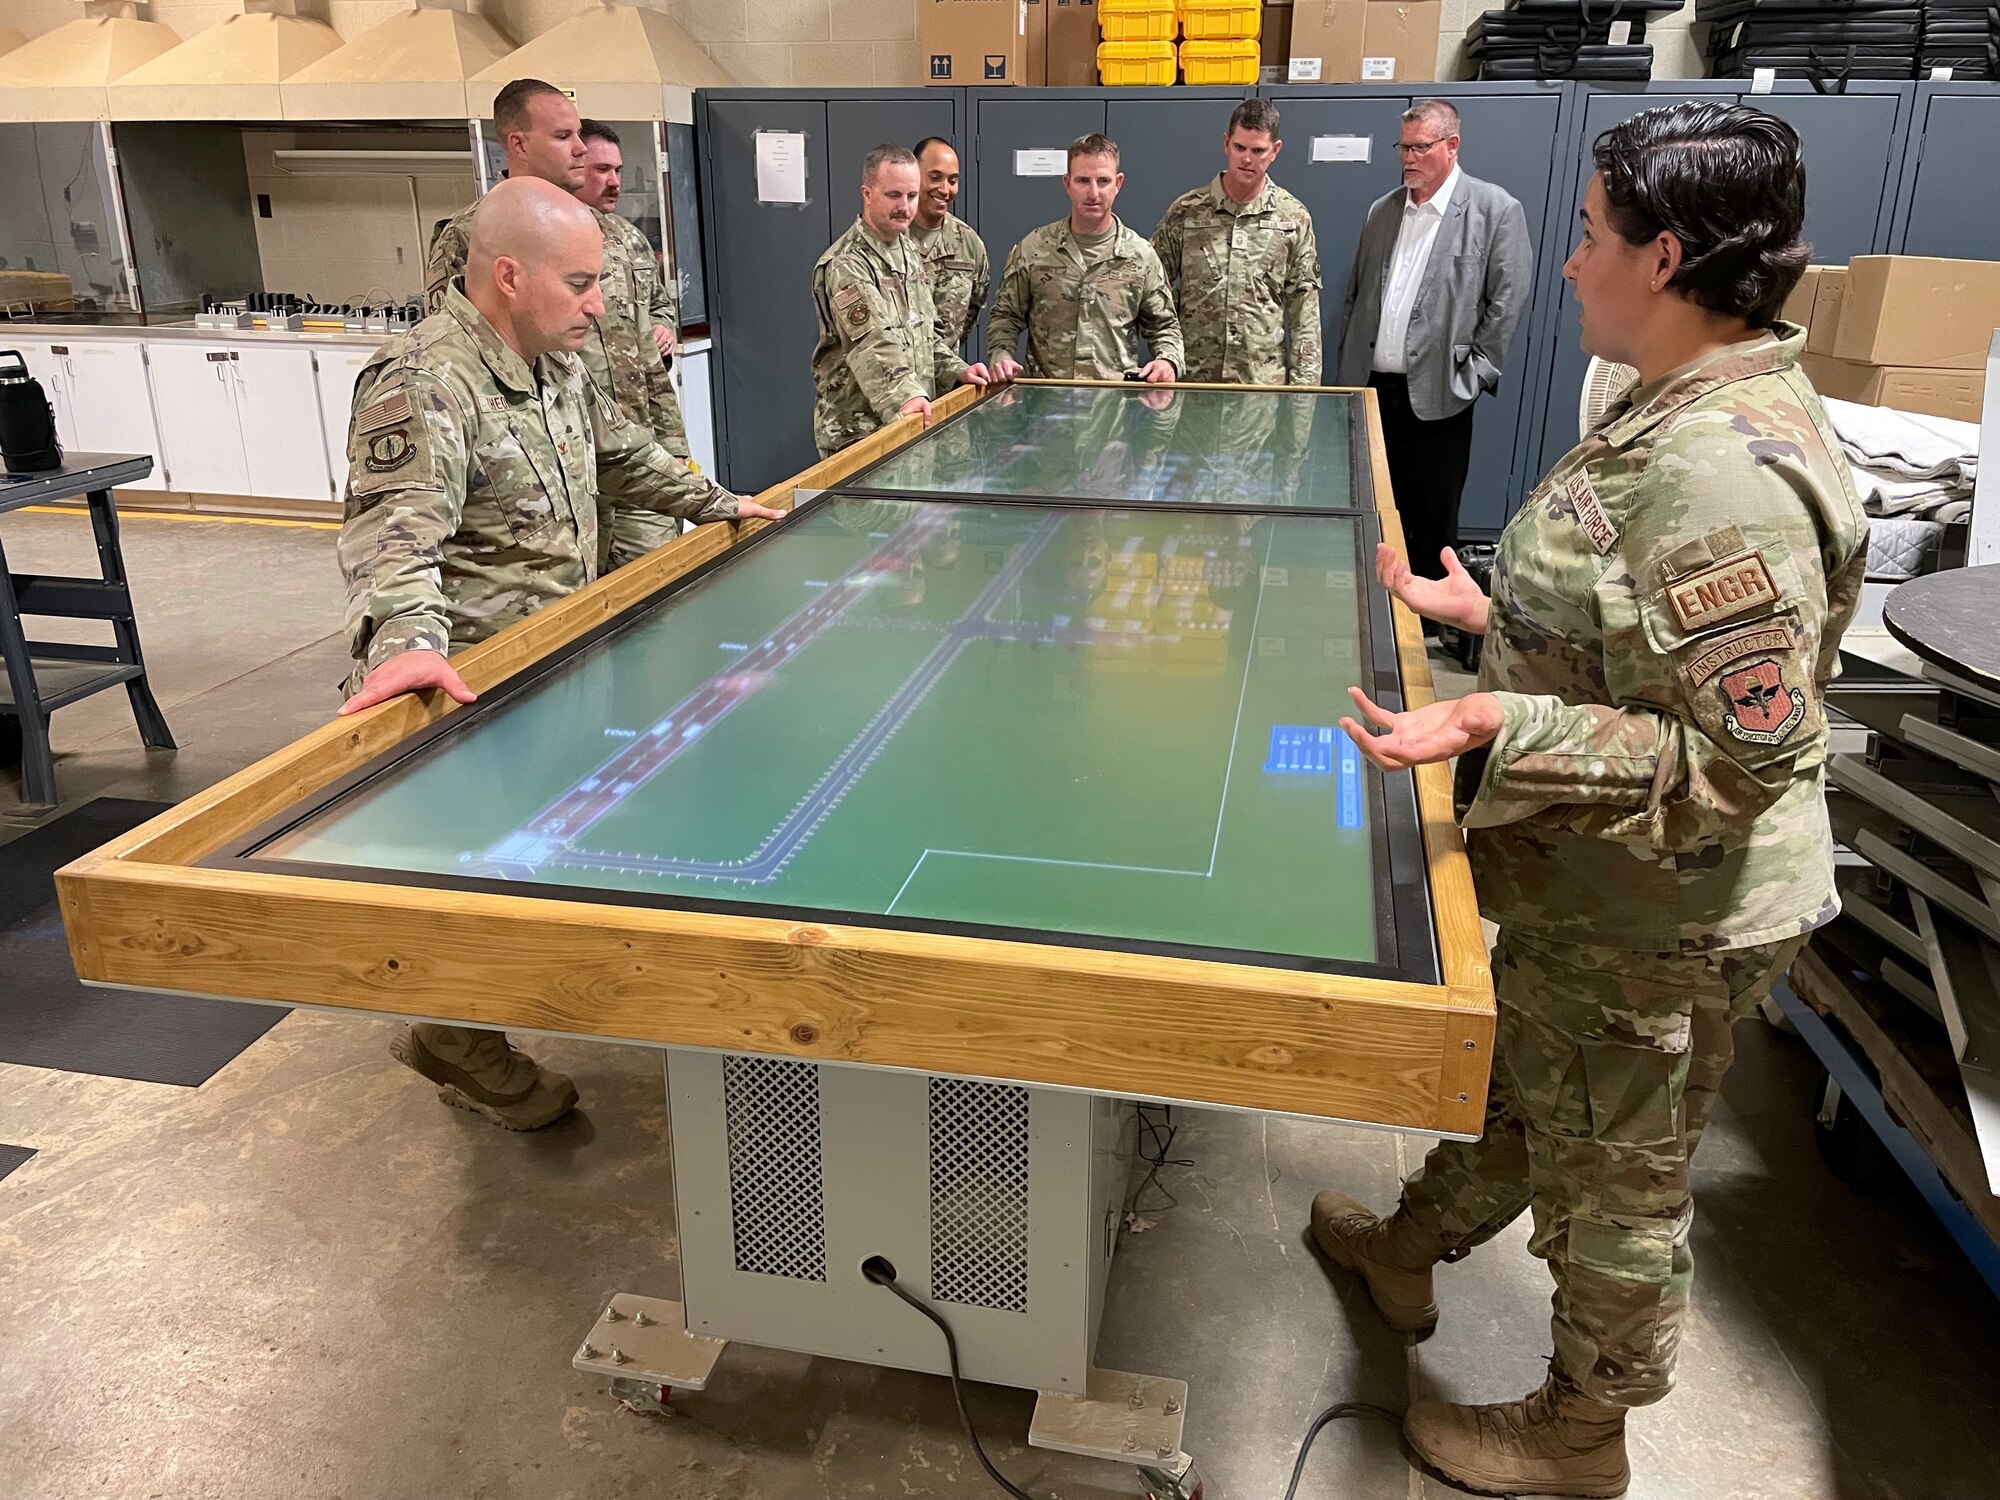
column 1427, row 467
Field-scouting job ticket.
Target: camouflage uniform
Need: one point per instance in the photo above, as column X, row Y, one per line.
column 620, row 357
column 474, row 482
column 1649, row 829
column 1080, row 311
column 1247, row 278
column 878, row 336
column 961, row 276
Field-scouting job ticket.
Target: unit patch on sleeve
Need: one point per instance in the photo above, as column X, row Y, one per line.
column 389, row 451
column 1741, row 684
column 1589, row 514
column 1722, row 591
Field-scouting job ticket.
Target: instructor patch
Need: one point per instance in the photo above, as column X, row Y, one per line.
column 1722, row 591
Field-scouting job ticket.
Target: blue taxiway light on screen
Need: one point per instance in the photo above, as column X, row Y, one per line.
column 1348, row 784
column 1304, row 749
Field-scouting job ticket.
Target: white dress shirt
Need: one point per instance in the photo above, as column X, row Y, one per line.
column 1406, row 273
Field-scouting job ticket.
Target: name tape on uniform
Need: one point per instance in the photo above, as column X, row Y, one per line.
column 1722, row 591
column 1589, row 514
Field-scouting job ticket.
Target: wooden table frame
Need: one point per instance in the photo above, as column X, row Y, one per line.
column 142, row 912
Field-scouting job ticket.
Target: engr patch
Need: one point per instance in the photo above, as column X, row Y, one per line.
column 1722, row 591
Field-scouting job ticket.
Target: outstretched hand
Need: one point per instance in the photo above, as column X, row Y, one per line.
column 1453, row 599
column 1426, row 735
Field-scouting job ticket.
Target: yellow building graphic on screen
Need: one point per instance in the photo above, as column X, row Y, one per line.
column 1155, row 609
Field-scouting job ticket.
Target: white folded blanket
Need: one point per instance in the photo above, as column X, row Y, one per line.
column 1905, row 444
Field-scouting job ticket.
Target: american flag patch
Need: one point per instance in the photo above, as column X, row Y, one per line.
column 390, row 410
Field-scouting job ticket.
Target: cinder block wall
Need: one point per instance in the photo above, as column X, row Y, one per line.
column 780, row 43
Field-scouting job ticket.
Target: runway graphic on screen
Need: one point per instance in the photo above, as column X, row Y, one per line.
column 549, row 839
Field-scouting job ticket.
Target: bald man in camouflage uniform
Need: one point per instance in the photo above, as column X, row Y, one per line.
column 1641, row 780
column 544, row 138
column 1241, row 256
column 879, row 355
column 477, row 455
column 1086, row 289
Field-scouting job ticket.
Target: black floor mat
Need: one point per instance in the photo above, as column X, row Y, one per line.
column 48, row 1019
column 12, row 1157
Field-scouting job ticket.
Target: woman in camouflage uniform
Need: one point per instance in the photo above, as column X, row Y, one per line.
column 1640, row 780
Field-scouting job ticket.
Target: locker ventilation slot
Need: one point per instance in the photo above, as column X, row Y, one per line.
column 776, row 1196
column 979, row 1194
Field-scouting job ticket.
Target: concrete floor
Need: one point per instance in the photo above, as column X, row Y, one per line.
column 308, row 1279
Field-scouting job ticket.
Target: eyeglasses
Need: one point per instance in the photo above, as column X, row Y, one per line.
column 1418, row 148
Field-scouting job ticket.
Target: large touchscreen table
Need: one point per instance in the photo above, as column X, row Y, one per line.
column 1011, row 752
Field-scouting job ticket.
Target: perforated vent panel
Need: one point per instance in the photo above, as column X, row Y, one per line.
column 979, row 1194
column 777, row 1198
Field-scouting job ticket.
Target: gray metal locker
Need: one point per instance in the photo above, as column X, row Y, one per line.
column 1853, row 142
column 760, row 256
column 1168, row 146
column 1945, row 211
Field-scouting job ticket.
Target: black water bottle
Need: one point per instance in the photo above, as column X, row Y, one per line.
column 27, row 421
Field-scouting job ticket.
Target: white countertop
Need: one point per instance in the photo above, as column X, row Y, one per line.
column 187, row 332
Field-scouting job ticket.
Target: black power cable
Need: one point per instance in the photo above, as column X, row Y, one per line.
column 1334, row 1414
column 882, row 1273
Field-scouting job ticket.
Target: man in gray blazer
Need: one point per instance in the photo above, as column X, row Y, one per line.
column 1439, row 281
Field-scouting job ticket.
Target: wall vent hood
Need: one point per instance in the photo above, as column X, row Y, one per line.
column 62, row 74
column 10, row 38
column 620, row 59
column 411, row 67
column 228, row 72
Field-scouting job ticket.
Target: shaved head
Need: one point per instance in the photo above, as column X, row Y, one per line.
column 533, row 265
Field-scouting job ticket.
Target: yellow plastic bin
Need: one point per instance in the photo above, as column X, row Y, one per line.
column 1135, row 64
column 1221, row 20
column 1232, row 61
column 1137, row 21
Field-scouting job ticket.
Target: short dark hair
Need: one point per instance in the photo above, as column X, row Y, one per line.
column 884, row 155
column 929, row 141
column 1097, row 143
column 1254, row 114
column 1727, row 181
column 597, row 130
column 510, row 105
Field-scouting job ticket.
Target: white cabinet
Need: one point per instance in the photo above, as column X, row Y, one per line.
column 696, row 408
column 200, row 431
column 339, row 369
column 277, row 406
column 110, row 402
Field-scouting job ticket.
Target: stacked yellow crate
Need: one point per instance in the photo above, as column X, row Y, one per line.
column 1219, row 41
column 1136, row 46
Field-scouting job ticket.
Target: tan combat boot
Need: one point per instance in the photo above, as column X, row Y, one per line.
column 1394, row 1256
column 1556, row 1442
column 479, row 1071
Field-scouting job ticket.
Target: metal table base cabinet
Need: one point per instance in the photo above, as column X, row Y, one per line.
column 998, row 1205
column 43, row 676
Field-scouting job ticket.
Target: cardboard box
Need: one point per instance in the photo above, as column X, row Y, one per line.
column 1937, row 393
column 1798, row 306
column 979, row 42
column 1326, row 41
column 1399, row 41
column 1829, row 297
column 1072, row 42
column 1035, row 45
column 1916, row 310
column 1364, row 41
column 1275, row 43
